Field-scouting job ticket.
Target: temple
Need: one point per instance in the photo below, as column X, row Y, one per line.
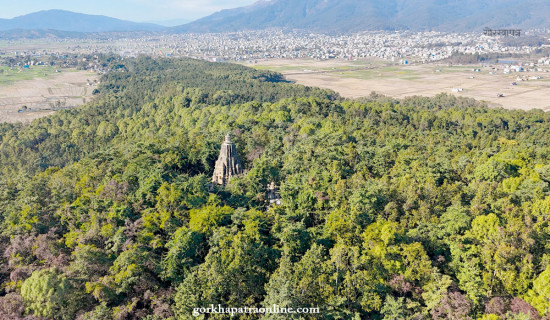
column 228, row 163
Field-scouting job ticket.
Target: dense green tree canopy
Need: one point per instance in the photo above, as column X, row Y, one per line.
column 424, row 208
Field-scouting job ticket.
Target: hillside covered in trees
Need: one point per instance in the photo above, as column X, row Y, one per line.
column 424, row 208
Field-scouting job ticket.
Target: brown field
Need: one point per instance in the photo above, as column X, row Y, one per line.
column 68, row 88
column 355, row 79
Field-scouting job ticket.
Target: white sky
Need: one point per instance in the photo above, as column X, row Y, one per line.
column 134, row 10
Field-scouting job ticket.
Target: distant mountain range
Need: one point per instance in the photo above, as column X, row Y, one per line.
column 359, row 15
column 171, row 22
column 328, row 16
column 73, row 22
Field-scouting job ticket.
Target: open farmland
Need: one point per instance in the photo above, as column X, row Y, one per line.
column 355, row 79
column 27, row 94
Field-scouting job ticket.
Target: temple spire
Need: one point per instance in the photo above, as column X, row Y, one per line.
column 228, row 163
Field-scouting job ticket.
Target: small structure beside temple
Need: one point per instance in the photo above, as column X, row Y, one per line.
column 273, row 195
column 228, row 164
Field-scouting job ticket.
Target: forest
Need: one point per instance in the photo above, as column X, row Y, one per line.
column 420, row 208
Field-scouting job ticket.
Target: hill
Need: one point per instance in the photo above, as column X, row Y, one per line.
column 74, row 22
column 423, row 208
column 170, row 22
column 15, row 34
column 360, row 15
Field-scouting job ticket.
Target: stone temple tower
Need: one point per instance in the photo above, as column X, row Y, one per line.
column 228, row 163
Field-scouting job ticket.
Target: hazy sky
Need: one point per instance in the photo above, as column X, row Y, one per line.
column 135, row 10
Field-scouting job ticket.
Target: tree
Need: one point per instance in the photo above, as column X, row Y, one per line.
column 394, row 309
column 186, row 249
column 234, row 273
column 48, row 293
column 453, row 306
column 539, row 296
column 206, row 219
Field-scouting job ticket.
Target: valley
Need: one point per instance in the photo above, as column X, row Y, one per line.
column 354, row 79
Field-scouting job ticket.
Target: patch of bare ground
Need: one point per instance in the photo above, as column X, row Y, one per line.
column 515, row 90
column 26, row 100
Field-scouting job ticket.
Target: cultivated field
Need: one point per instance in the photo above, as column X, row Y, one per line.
column 27, row 94
column 355, row 79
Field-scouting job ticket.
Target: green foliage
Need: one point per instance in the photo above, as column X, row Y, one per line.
column 47, row 293
column 234, row 272
column 425, row 207
column 394, row 309
column 185, row 250
column 206, row 219
column 539, row 296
